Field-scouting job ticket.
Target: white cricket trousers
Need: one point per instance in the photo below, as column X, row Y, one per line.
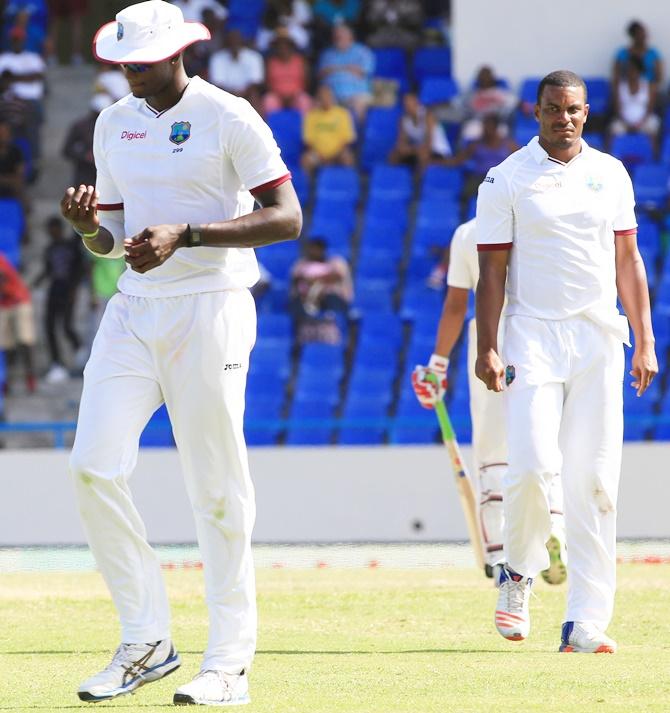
column 489, row 446
column 191, row 352
column 564, row 414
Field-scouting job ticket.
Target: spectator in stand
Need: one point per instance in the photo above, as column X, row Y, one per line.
column 394, row 23
column 286, row 77
column 292, row 17
column 421, row 139
column 638, row 47
column 635, row 103
column 321, row 289
column 197, row 56
column 479, row 156
column 29, row 15
column 13, row 110
column 12, row 167
column 26, row 69
column 487, row 96
column 328, row 133
column 193, row 9
column 346, row 68
column 70, row 15
column 63, row 267
column 238, row 69
column 17, row 322
column 78, row 146
column 110, row 80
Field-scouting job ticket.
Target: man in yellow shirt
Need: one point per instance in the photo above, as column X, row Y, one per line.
column 328, row 133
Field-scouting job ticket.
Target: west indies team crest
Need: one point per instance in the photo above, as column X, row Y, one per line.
column 180, row 132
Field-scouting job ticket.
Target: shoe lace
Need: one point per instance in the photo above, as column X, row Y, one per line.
column 220, row 677
column 130, row 658
column 516, row 595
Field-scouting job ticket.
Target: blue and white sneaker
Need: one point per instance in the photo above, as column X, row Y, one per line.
column 512, row 617
column 133, row 665
column 581, row 637
column 557, row 572
column 214, row 688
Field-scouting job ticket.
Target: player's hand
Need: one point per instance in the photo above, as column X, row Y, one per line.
column 153, row 246
column 645, row 367
column 79, row 208
column 489, row 368
column 430, row 382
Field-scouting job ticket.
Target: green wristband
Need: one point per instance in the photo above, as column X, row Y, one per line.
column 87, row 236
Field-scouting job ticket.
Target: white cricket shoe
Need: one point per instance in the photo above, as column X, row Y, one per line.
column 57, row 374
column 580, row 637
column 133, row 665
column 557, row 572
column 512, row 616
column 214, row 688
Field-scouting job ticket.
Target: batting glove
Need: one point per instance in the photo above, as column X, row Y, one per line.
column 430, row 391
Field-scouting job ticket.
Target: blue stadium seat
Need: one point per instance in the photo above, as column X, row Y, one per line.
column 598, row 90
column 437, row 90
column 383, row 327
column 386, row 215
column 431, row 62
column 12, row 226
column 650, row 182
column 378, row 380
column 322, row 355
column 435, row 225
column 270, row 359
column 379, row 135
column 286, row 126
column 336, row 233
column 262, row 411
column 301, row 184
column 632, row 149
column 441, row 183
column 279, row 257
column 384, row 268
column 369, row 420
column 391, row 63
column 338, row 184
column 665, row 148
column 528, row 90
column 274, row 326
column 595, row 141
column 378, row 241
column 419, row 298
column 158, row 432
column 309, row 429
column 373, row 296
column 648, row 233
column 391, row 183
column 245, row 16
column 413, row 423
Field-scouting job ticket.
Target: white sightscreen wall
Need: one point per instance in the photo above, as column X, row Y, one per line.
column 525, row 38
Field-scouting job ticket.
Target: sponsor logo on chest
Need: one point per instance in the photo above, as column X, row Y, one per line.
column 130, row 135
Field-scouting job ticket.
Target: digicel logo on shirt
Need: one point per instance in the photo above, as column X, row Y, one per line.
column 130, row 135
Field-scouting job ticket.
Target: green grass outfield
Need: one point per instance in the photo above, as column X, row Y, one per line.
column 350, row 641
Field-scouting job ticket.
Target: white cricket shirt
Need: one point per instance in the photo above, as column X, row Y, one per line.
column 463, row 269
column 560, row 221
column 197, row 162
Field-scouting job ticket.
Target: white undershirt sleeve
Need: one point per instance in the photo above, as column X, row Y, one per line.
column 625, row 219
column 458, row 274
column 495, row 218
column 110, row 202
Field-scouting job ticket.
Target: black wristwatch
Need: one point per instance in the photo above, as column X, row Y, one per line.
column 194, row 235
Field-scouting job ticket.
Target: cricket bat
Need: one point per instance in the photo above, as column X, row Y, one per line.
column 466, row 492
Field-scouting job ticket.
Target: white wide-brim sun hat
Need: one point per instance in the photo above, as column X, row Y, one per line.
column 145, row 33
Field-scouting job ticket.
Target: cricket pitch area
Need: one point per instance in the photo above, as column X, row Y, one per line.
column 335, row 638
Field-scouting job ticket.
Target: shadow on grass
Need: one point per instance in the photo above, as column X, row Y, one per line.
column 283, row 652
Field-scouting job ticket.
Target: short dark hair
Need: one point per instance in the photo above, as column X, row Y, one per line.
column 318, row 242
column 633, row 28
column 561, row 78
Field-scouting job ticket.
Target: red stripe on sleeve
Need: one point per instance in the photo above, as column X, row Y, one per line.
column 484, row 247
column 630, row 231
column 270, row 184
column 110, row 206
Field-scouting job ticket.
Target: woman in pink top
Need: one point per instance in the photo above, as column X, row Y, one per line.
column 286, row 78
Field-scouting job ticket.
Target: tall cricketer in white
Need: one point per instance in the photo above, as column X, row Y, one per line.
column 179, row 164
column 556, row 231
column 489, row 436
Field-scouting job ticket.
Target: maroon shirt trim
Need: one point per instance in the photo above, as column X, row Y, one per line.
column 110, row 206
column 630, row 231
column 484, row 247
column 270, row 184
